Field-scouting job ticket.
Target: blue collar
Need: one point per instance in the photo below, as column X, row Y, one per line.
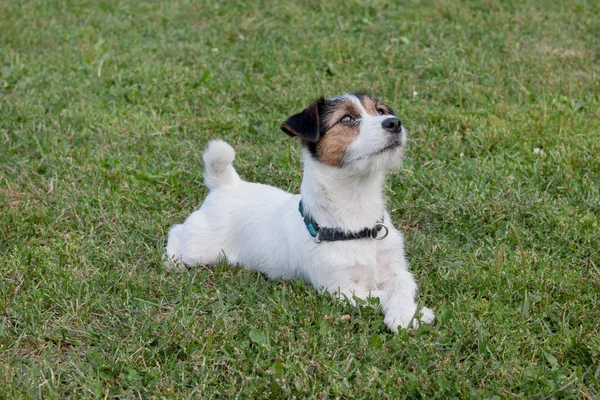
column 323, row 234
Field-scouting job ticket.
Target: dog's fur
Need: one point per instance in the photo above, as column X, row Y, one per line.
column 347, row 150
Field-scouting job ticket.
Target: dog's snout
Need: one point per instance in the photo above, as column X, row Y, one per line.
column 391, row 124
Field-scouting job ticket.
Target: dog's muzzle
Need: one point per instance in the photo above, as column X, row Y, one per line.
column 392, row 125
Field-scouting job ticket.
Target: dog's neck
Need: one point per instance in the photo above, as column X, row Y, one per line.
column 337, row 198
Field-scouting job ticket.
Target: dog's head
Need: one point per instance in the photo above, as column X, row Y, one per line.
column 350, row 131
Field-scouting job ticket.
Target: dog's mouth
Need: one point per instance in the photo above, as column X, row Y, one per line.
column 388, row 148
column 393, row 145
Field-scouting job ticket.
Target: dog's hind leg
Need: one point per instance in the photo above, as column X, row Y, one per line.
column 194, row 242
column 172, row 258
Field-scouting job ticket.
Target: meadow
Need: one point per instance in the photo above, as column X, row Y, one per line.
column 106, row 106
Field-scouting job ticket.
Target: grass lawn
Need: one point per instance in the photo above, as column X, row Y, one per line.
column 106, row 106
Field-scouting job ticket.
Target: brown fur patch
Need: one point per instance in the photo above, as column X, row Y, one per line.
column 370, row 105
column 332, row 146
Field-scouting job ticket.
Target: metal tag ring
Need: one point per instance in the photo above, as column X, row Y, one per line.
column 378, row 227
column 316, row 238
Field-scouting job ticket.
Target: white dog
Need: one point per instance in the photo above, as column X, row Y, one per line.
column 336, row 234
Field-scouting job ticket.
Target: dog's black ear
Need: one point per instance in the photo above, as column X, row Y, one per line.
column 307, row 124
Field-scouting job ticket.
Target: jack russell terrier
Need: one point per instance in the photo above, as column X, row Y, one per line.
column 336, row 234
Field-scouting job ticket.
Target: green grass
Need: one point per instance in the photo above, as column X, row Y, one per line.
column 105, row 108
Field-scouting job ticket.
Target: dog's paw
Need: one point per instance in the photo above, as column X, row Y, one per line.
column 173, row 264
column 426, row 317
column 406, row 318
column 400, row 317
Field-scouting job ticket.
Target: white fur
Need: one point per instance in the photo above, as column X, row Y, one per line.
column 259, row 227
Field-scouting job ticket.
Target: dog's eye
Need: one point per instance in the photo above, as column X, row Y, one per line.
column 381, row 111
column 347, row 118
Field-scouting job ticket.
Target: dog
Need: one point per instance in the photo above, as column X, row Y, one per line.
column 336, row 234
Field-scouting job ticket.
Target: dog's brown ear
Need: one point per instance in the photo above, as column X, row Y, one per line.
column 307, row 124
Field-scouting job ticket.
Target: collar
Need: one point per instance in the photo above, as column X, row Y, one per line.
column 323, row 234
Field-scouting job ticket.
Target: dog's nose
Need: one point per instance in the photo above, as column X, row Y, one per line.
column 391, row 124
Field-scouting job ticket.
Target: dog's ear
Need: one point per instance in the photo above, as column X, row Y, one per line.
column 307, row 124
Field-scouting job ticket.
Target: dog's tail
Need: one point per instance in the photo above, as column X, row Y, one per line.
column 218, row 170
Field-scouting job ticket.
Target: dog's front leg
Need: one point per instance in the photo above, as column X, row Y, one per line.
column 400, row 309
column 401, row 306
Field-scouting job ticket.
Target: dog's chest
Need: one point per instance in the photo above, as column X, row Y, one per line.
column 358, row 258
